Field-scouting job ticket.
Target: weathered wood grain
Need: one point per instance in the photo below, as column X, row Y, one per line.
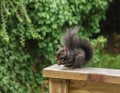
column 76, row 86
column 86, row 74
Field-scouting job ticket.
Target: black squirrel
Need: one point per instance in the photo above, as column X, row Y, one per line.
column 75, row 52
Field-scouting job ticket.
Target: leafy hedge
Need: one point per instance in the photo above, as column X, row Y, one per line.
column 30, row 32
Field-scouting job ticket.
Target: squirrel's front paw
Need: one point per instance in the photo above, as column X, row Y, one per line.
column 67, row 68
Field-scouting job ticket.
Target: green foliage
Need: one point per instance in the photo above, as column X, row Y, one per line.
column 102, row 59
column 30, row 32
column 106, row 61
column 98, row 45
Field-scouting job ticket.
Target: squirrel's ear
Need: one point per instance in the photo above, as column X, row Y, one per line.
column 65, row 48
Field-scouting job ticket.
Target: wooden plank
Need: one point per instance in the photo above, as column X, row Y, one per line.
column 58, row 86
column 56, row 71
column 87, row 74
column 76, row 86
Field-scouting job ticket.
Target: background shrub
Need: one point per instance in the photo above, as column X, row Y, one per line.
column 30, row 32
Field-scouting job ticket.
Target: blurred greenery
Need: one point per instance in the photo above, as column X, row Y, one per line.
column 102, row 59
column 30, row 34
column 107, row 61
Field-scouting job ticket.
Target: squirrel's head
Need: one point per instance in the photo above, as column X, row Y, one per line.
column 62, row 53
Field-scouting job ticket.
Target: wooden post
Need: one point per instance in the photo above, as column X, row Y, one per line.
column 58, row 86
column 82, row 80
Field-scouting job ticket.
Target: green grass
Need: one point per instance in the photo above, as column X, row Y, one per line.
column 106, row 61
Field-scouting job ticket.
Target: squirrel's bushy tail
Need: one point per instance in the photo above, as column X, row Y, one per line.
column 71, row 41
column 70, row 36
column 86, row 46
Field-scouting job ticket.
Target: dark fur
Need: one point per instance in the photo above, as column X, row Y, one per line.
column 78, row 51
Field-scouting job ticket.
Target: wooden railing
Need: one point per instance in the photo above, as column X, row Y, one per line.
column 82, row 80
